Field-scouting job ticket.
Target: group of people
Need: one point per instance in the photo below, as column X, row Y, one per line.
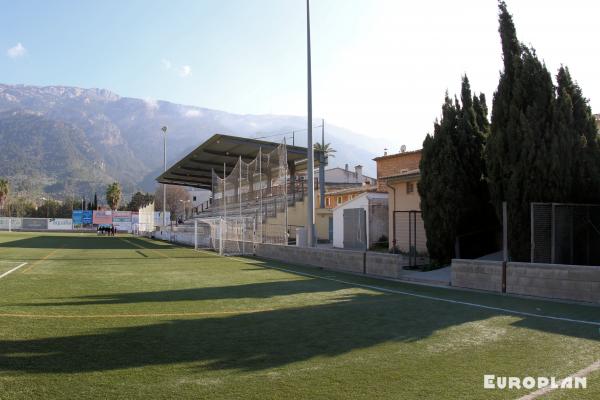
column 108, row 230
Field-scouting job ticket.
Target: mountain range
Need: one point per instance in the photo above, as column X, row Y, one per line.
column 68, row 140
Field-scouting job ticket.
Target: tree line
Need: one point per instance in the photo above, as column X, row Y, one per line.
column 42, row 207
column 541, row 146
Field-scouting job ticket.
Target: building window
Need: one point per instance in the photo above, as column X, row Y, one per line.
column 339, row 200
column 194, row 198
column 410, row 187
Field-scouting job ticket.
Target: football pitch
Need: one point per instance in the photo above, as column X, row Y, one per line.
column 86, row 317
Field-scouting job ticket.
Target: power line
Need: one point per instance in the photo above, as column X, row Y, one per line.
column 285, row 133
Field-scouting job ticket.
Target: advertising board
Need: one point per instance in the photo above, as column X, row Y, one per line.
column 102, row 217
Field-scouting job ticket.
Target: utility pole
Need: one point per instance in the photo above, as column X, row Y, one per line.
column 164, row 129
column 310, row 165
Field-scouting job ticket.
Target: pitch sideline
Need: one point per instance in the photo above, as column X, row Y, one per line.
column 13, row 270
column 423, row 296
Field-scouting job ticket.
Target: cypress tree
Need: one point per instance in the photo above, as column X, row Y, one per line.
column 574, row 123
column 473, row 129
column 453, row 192
column 520, row 160
column 497, row 147
column 437, row 187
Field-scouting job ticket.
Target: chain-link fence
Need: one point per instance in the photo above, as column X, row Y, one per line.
column 565, row 233
column 409, row 237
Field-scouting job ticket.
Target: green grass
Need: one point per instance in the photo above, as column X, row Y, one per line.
column 128, row 318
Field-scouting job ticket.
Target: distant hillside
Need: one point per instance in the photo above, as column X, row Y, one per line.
column 53, row 155
column 66, row 139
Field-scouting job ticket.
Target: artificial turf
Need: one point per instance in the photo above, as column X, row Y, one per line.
column 126, row 318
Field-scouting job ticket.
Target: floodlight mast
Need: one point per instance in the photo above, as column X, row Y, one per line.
column 310, row 165
column 164, row 129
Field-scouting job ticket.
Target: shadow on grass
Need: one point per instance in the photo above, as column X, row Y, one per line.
column 86, row 243
column 257, row 341
column 242, row 342
column 261, row 290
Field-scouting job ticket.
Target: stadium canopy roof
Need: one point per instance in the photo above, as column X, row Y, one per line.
column 196, row 168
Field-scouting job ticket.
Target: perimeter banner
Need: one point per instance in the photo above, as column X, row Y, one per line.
column 35, row 223
column 122, row 220
column 77, row 217
column 15, row 223
column 61, row 224
column 88, row 217
column 102, row 217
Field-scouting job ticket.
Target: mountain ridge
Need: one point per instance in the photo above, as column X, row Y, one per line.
column 124, row 134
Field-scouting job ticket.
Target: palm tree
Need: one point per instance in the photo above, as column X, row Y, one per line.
column 113, row 195
column 326, row 150
column 4, row 190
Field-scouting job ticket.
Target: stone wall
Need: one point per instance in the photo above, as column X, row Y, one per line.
column 339, row 260
column 477, row 274
column 554, row 281
column 358, row 262
column 566, row 282
column 384, row 264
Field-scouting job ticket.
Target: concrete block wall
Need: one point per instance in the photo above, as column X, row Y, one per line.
column 358, row 262
column 477, row 274
column 384, row 264
column 339, row 260
column 566, row 282
column 183, row 237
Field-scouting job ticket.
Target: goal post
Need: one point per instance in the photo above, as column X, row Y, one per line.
column 227, row 236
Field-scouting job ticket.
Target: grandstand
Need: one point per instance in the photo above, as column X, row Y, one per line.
column 254, row 185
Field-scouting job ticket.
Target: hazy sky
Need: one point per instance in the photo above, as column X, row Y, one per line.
column 380, row 67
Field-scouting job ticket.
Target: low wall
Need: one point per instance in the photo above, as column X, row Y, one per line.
column 566, row 282
column 477, row 274
column 339, row 260
column 384, row 264
column 553, row 281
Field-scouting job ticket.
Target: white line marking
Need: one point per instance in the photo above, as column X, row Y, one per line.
column 13, row 270
column 579, row 374
column 423, row 296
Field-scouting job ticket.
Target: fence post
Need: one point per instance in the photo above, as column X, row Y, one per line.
column 504, row 244
column 254, row 236
column 221, row 236
column 553, row 247
column 531, row 233
column 394, row 231
column 195, row 234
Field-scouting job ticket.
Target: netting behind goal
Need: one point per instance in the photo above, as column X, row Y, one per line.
column 227, row 236
column 250, row 205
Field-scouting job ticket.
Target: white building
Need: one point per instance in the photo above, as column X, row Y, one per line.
column 199, row 197
column 344, row 175
column 374, row 207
